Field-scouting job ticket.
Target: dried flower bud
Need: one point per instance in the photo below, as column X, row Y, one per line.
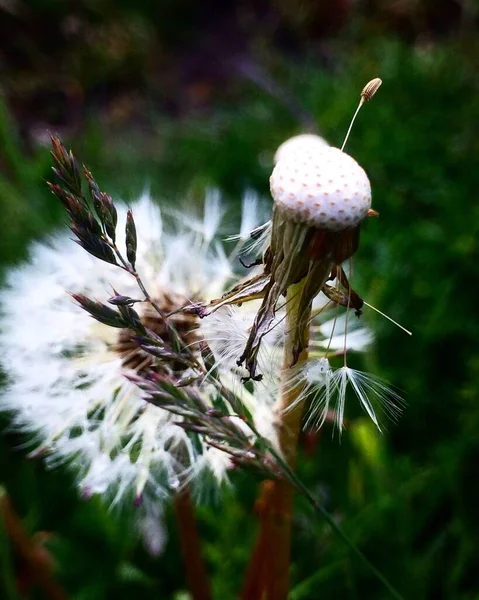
column 326, row 190
column 370, row 89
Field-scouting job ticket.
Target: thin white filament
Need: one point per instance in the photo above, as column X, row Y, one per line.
column 389, row 318
column 361, row 102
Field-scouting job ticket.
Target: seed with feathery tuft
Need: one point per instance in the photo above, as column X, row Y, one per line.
column 326, row 190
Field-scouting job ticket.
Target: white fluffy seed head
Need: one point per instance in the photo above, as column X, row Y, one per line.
column 324, row 188
column 305, row 142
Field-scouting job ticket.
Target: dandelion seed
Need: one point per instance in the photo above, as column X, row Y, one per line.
column 251, row 238
column 328, row 389
column 213, row 214
column 250, row 211
column 367, row 93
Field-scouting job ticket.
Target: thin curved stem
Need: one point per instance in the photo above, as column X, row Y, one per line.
column 300, row 487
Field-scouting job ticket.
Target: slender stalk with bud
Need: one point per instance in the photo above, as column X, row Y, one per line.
column 181, row 406
column 321, row 195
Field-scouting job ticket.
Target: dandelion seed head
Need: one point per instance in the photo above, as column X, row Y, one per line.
column 69, row 384
column 325, row 189
column 303, row 143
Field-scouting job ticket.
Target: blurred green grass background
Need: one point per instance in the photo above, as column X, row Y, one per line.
column 178, row 97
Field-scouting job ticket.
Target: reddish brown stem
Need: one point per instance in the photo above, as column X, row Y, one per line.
column 30, row 553
column 198, row 581
column 255, row 575
column 278, row 516
column 273, row 547
column 258, row 567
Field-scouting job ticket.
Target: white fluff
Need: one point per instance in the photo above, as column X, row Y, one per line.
column 66, row 386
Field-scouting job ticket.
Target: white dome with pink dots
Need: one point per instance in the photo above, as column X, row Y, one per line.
column 322, row 187
column 305, row 142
